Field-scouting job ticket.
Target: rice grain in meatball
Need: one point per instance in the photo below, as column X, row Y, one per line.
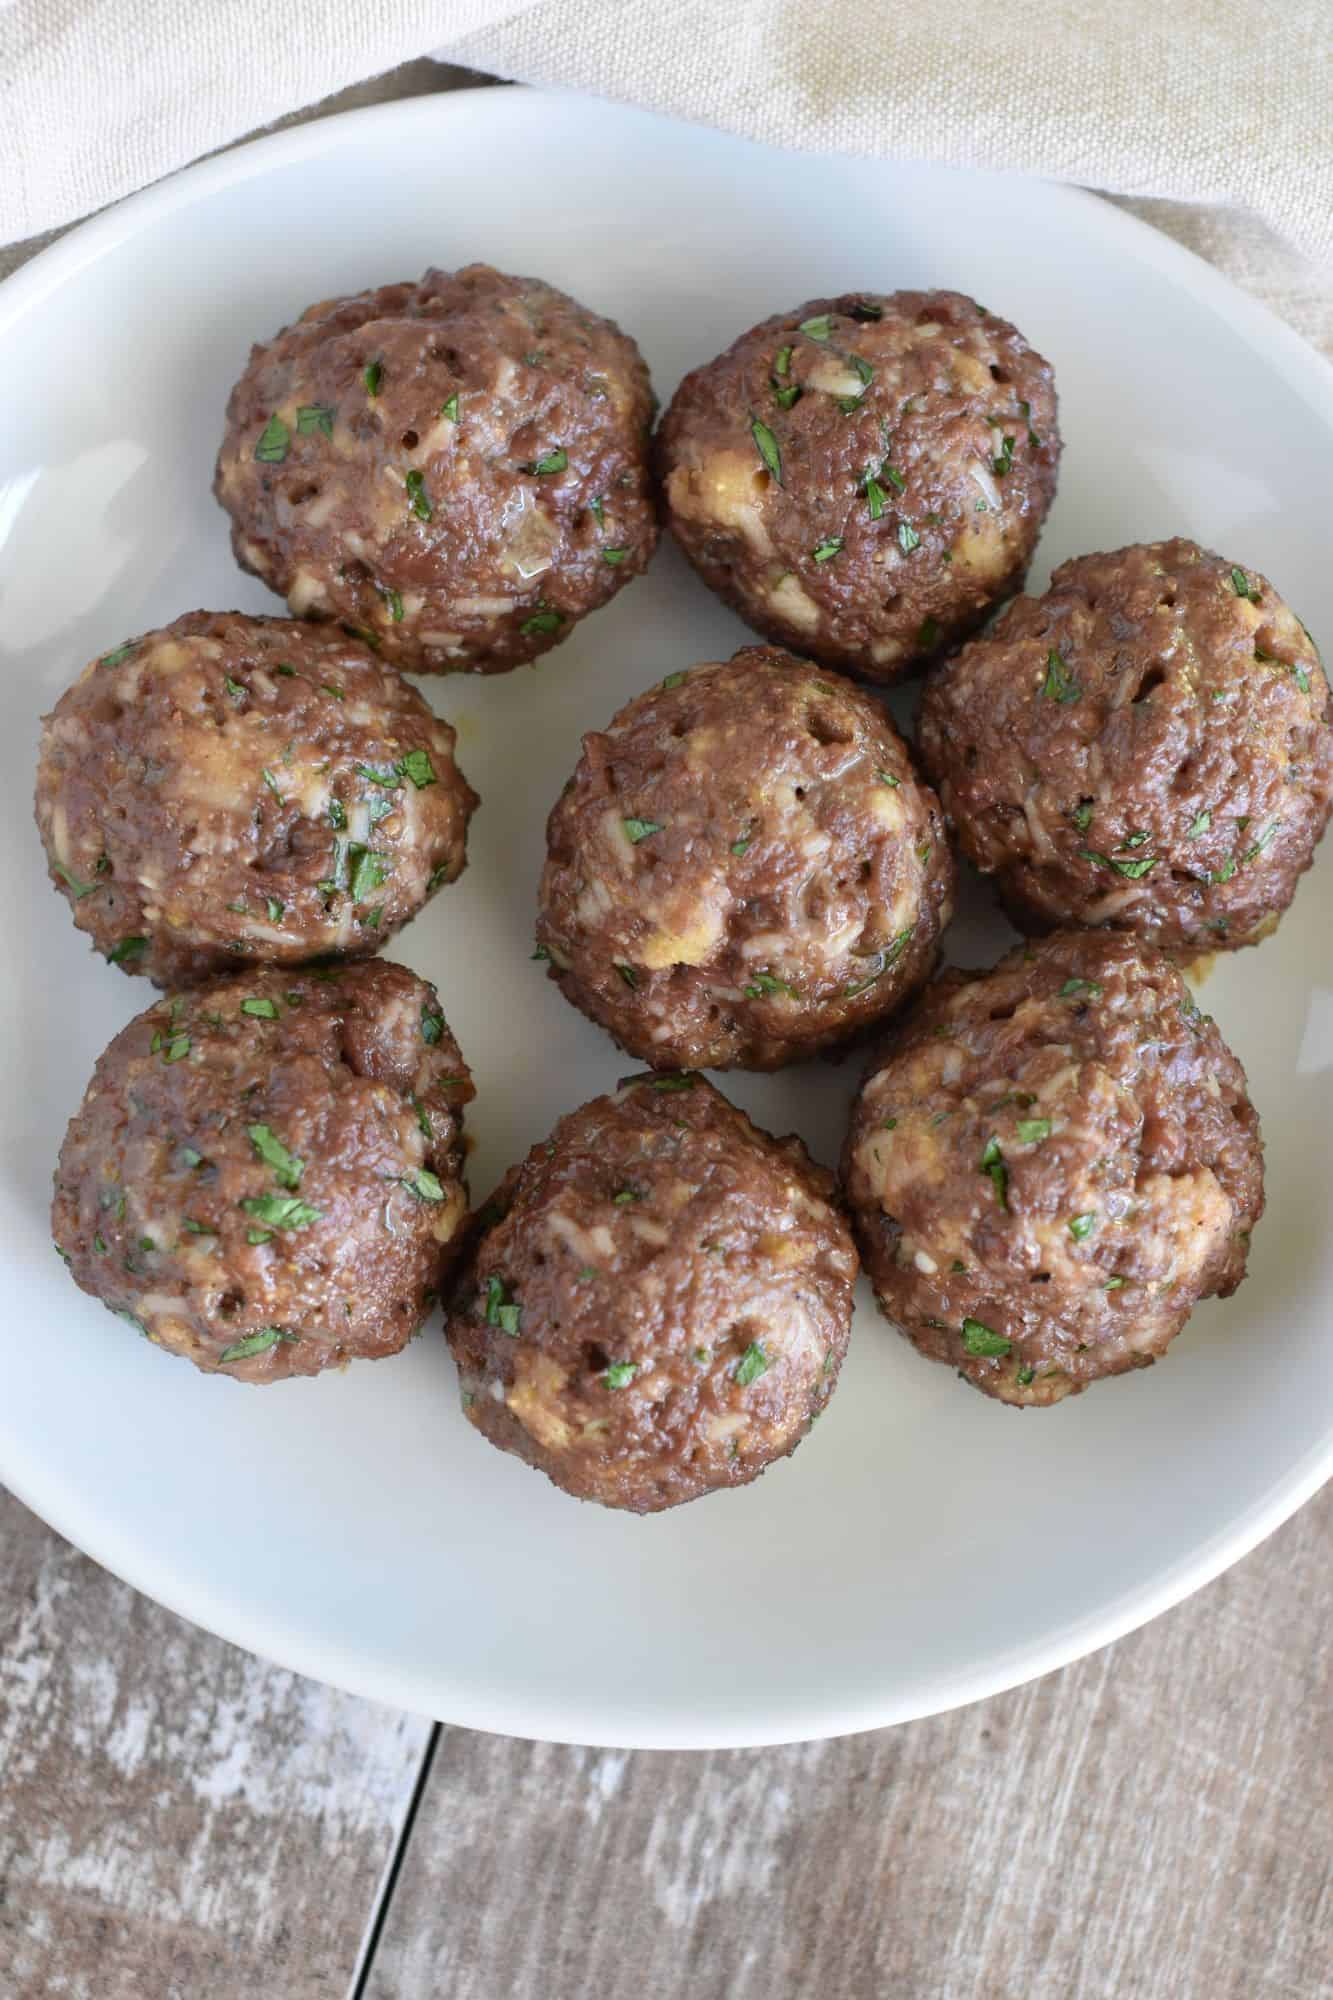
column 246, row 789
column 456, row 467
column 864, row 478
column 658, row 1300
column 1146, row 747
column 265, row 1174
column 745, row 867
column 1051, row 1164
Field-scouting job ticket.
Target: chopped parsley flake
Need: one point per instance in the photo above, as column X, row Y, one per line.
column 261, row 1009
column 367, row 870
column 316, row 417
column 826, row 550
column 764, row 983
column 1031, row 1131
column 394, row 600
column 1076, row 988
column 337, row 814
column 281, row 1211
column 234, row 689
column 767, row 447
column 287, row 1167
column 819, row 328
column 127, row 948
column 449, row 409
column 1025, row 1374
column 417, row 766
column 887, row 958
column 122, row 652
column 1082, row 817
column 672, row 681
column 1264, row 840
column 620, row 1374
column 640, row 829
column 372, row 378
column 874, row 493
column 273, row 909
column 543, row 621
column 615, row 556
column 1242, row 586
column 992, row 1163
column 1134, row 871
column 176, row 1049
column 417, row 497
column 908, row 538
column 255, row 1343
column 1026, row 409
column 887, row 778
column 1301, row 677
column 981, row 1339
column 424, row 1184
column 76, row 888
column 741, row 846
column 432, row 1025
column 555, row 460
column 752, row 1364
column 1059, row 684
column 628, row 974
column 274, row 441
column 1081, row 1226
column 500, row 1309
column 1199, row 824
column 1003, row 460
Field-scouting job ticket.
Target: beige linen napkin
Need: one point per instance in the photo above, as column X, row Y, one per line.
column 1223, row 101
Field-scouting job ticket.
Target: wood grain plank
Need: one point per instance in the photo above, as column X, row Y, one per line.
column 1151, row 1822
column 178, row 1820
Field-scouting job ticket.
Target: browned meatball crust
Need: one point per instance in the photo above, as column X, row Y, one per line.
column 456, row 467
column 1147, row 746
column 744, row 868
column 657, row 1301
column 865, row 477
column 1051, row 1163
column 233, row 788
column 266, row 1174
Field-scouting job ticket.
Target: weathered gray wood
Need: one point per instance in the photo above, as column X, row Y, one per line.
column 178, row 1821
column 1152, row 1822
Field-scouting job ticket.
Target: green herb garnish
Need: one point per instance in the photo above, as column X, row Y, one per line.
column 281, row 1211
column 1031, row 1131
column 262, row 1009
column 752, row 1364
column 274, row 441
column 1059, row 684
column 255, row 1343
column 287, row 1167
column 767, row 447
column 981, row 1339
column 639, row 829
column 620, row 1374
column 127, row 948
column 372, row 378
column 315, row 417
column 1081, row 1226
column 417, row 497
column 826, row 550
column 555, row 460
column 992, row 1163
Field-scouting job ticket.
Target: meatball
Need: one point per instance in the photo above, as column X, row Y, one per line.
column 245, row 788
column 657, row 1301
column 865, row 477
column 458, row 467
column 745, row 868
column 1051, row 1163
column 1146, row 747
column 265, row 1174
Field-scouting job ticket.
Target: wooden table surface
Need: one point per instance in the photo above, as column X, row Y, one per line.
column 180, row 1821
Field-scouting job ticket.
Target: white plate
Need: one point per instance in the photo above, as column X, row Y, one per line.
column 925, row 1546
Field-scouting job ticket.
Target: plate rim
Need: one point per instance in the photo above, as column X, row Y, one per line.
column 391, row 1682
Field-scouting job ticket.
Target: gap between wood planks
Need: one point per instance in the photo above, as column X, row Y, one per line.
column 392, row 1868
